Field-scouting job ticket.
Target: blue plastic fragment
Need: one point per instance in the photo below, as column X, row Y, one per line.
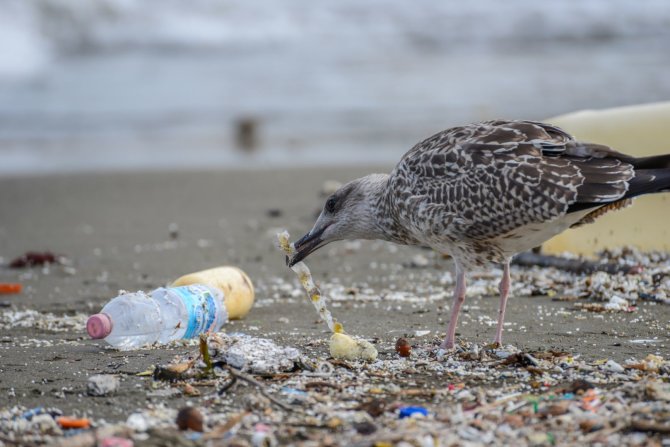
column 32, row 412
column 287, row 390
column 406, row 412
column 194, row 436
column 75, row 431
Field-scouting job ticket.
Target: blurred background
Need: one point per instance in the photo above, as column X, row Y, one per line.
column 171, row 84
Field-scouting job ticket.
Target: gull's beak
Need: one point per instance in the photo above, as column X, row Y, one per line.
column 306, row 245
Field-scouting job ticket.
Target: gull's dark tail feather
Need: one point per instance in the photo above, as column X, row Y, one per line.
column 653, row 162
column 646, row 181
column 651, row 175
column 649, row 181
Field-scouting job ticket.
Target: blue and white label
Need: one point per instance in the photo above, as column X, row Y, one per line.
column 201, row 306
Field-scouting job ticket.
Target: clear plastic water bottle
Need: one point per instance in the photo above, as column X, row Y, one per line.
column 136, row 319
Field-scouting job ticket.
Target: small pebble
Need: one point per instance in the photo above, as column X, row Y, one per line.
column 173, row 230
column 365, row 428
column 419, row 261
column 403, row 348
column 274, row 212
column 138, row 422
column 102, row 385
column 374, row 407
column 190, row 418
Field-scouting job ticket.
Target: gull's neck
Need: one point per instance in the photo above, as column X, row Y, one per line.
column 387, row 225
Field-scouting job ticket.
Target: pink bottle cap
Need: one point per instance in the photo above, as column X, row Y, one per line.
column 99, row 326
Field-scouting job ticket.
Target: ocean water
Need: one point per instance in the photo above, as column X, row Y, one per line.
column 167, row 84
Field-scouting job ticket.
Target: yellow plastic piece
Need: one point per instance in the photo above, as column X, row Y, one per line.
column 344, row 347
column 238, row 291
column 636, row 130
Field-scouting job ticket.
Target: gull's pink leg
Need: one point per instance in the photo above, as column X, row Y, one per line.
column 459, row 297
column 504, row 293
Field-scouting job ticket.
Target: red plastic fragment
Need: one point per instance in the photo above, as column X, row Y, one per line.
column 33, row 258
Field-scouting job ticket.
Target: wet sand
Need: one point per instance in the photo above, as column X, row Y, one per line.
column 114, row 229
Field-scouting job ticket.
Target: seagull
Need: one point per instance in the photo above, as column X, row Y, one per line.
column 483, row 193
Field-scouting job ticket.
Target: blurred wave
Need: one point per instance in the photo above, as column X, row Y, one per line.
column 74, row 26
column 138, row 83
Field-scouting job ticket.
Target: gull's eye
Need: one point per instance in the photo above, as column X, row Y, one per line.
column 330, row 205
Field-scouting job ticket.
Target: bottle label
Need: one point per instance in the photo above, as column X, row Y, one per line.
column 201, row 306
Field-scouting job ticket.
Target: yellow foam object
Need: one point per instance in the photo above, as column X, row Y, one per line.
column 639, row 130
column 238, row 291
column 345, row 347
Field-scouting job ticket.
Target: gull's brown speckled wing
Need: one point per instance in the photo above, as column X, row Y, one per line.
column 484, row 180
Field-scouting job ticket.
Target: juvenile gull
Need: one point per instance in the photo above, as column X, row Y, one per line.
column 485, row 192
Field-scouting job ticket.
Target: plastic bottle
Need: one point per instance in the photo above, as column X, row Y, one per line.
column 182, row 310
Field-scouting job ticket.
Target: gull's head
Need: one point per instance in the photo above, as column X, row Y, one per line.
column 349, row 213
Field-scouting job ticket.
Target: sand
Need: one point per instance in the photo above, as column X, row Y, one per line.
column 114, row 228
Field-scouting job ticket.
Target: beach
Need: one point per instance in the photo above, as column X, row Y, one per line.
column 141, row 141
column 114, row 230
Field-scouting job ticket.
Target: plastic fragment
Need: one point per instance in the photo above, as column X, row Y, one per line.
column 115, row 441
column 263, row 436
column 412, row 411
column 71, row 423
column 9, row 288
column 288, row 390
column 344, row 347
column 613, row 366
column 138, row 422
column 28, row 414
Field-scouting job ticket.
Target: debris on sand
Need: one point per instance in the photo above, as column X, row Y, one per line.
column 348, row 348
column 70, row 423
column 30, row 318
column 252, row 354
column 34, row 258
column 292, row 393
column 305, row 277
column 483, row 396
column 342, row 346
column 9, row 288
column 102, row 385
column 190, row 418
column 402, row 347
